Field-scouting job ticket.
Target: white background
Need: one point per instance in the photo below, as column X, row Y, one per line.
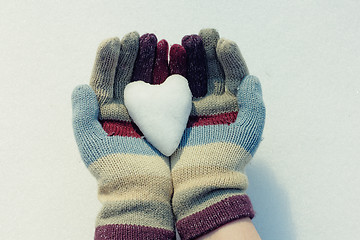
column 304, row 179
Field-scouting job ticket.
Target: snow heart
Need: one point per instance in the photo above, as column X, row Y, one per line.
column 160, row 111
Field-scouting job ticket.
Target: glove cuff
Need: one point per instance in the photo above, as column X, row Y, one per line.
column 122, row 231
column 214, row 216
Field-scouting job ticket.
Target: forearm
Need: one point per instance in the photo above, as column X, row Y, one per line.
column 241, row 229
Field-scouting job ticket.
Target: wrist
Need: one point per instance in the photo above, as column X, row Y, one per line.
column 241, row 229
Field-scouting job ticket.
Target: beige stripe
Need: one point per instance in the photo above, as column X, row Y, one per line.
column 114, row 110
column 134, row 189
column 117, row 165
column 186, row 209
column 141, row 213
column 156, row 188
column 123, row 176
column 198, row 193
column 221, row 155
column 204, row 175
column 195, row 172
column 213, row 181
column 215, row 104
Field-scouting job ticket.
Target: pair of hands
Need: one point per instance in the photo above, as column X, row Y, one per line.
column 223, row 131
column 214, row 68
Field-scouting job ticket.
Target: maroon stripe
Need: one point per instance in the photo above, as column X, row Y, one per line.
column 121, row 128
column 223, row 118
column 129, row 129
column 123, row 231
column 215, row 216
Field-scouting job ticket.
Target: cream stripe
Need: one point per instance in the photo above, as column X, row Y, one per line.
column 134, row 189
column 119, row 164
column 220, row 154
column 215, row 104
column 185, row 210
column 114, row 110
column 211, row 182
column 206, row 174
column 120, row 174
column 198, row 193
column 141, row 213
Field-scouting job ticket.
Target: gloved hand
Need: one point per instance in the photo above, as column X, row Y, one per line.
column 134, row 179
column 223, row 133
column 149, row 65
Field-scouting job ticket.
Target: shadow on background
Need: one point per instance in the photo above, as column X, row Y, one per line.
column 273, row 218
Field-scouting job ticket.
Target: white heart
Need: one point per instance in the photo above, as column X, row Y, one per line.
column 160, row 111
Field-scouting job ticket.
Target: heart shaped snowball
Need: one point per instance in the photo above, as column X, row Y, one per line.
column 160, row 111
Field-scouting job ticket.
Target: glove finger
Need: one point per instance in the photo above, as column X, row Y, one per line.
column 215, row 74
column 144, row 64
column 129, row 47
column 251, row 104
column 85, row 114
column 232, row 62
column 103, row 74
column 196, row 65
column 177, row 63
column 161, row 68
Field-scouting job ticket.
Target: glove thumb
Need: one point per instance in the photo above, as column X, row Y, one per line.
column 85, row 113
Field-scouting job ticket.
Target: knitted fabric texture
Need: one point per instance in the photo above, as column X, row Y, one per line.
column 177, row 63
column 222, row 135
column 143, row 70
column 134, row 179
column 149, row 61
column 161, row 68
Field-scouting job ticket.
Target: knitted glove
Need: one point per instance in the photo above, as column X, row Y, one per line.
column 223, row 134
column 151, row 66
column 133, row 178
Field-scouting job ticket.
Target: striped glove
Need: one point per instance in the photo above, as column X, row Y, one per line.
column 134, row 179
column 222, row 135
